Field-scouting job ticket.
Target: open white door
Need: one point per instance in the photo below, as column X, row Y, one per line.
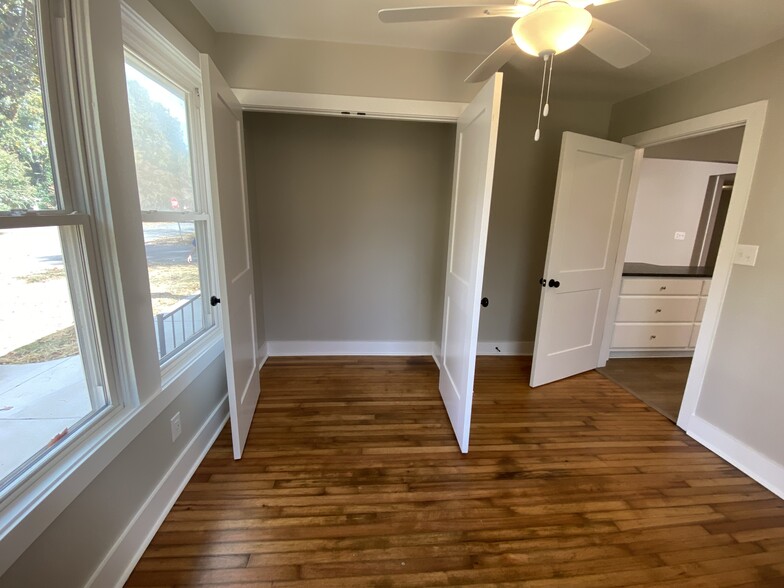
column 225, row 149
column 590, row 200
column 477, row 129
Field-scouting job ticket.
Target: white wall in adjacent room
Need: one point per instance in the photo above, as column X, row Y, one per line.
column 670, row 198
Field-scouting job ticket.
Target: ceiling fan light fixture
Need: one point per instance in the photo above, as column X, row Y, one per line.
column 551, row 29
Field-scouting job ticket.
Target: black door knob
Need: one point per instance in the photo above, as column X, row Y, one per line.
column 554, row 283
column 214, row 301
column 484, row 302
column 542, row 282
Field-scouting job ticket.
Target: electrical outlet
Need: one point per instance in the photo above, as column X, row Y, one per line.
column 680, row 236
column 746, row 254
column 176, row 426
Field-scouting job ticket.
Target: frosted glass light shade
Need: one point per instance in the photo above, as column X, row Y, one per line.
column 551, row 28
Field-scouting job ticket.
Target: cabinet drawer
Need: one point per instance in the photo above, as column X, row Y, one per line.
column 651, row 335
column 662, row 286
column 660, row 309
column 694, row 334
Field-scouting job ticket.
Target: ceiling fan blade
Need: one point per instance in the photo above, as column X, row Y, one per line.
column 424, row 13
column 613, row 45
column 495, row 61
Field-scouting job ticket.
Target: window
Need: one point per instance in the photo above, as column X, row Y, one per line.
column 166, row 138
column 53, row 385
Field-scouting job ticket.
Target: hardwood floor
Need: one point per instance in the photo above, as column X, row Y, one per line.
column 658, row 381
column 352, row 477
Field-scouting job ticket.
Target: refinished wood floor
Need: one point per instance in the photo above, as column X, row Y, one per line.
column 658, row 381
column 352, row 477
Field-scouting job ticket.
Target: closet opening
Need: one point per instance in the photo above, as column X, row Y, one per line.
column 679, row 210
column 349, row 224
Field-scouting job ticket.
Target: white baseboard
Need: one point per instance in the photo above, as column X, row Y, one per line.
column 505, row 348
column 436, row 355
column 262, row 354
column 298, row 348
column 748, row 460
column 118, row 564
column 306, row 348
column 638, row 353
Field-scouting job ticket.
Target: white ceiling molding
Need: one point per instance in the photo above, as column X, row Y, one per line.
column 353, row 106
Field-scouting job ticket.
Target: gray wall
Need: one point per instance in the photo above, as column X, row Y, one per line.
column 523, row 192
column 742, row 390
column 721, row 146
column 351, row 225
column 189, row 21
column 72, row 547
column 295, row 65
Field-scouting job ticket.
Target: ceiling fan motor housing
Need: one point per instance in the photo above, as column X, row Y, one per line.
column 552, row 28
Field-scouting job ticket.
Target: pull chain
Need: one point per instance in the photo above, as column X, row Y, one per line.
column 546, row 110
column 541, row 99
column 548, row 58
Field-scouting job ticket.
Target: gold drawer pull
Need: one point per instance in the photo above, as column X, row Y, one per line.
column 658, row 310
column 653, row 337
column 663, row 288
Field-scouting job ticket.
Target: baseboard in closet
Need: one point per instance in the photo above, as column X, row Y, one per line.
column 300, row 348
column 305, row 348
column 505, row 348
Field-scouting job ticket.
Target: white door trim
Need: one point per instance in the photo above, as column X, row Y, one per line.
column 615, row 289
column 355, row 106
column 752, row 116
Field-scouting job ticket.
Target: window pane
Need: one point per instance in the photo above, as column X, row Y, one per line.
column 175, row 262
column 47, row 387
column 160, row 143
column 25, row 162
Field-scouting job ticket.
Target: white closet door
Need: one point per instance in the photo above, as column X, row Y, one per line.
column 477, row 130
column 225, row 147
column 590, row 200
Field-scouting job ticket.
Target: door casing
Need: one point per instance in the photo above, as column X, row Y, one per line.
column 752, row 117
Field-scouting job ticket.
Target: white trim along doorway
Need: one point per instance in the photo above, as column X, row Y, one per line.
column 752, row 117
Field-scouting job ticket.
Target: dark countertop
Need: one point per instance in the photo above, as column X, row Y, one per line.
column 666, row 271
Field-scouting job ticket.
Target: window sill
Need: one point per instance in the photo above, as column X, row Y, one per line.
column 38, row 503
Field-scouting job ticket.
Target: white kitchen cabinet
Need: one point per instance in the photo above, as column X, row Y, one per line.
column 659, row 314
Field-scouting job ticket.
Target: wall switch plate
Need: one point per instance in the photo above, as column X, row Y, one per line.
column 680, row 236
column 176, row 427
column 746, row 254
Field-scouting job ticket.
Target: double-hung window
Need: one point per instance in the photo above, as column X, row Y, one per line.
column 164, row 101
column 54, row 328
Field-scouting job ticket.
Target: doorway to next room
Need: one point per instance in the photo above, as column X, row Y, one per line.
column 680, row 207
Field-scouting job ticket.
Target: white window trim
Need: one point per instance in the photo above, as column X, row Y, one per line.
column 44, row 497
column 81, row 248
column 153, row 50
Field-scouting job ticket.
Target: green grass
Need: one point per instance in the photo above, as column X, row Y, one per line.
column 170, row 283
column 185, row 239
column 58, row 345
column 53, row 273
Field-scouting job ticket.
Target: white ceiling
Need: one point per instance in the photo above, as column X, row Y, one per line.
column 685, row 36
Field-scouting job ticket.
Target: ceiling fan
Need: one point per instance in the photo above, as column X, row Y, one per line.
column 542, row 28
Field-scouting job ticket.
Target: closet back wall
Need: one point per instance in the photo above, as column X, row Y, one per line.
column 350, row 220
